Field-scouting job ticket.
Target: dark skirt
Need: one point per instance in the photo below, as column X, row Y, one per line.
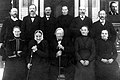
column 15, row 69
column 84, row 72
column 68, row 72
column 105, row 71
column 39, row 71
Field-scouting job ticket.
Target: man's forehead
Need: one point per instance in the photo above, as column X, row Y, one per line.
column 82, row 8
column 13, row 9
column 32, row 6
column 47, row 8
column 114, row 4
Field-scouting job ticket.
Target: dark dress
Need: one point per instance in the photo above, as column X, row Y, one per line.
column 106, row 50
column 84, row 50
column 98, row 27
column 77, row 24
column 67, row 58
column 64, row 21
column 7, row 29
column 28, row 27
column 40, row 66
column 15, row 68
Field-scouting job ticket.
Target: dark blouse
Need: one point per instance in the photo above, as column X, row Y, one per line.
column 105, row 49
column 84, row 48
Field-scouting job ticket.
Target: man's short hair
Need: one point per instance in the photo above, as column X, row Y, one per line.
column 112, row 3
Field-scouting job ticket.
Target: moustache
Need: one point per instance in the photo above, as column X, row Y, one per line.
column 31, row 11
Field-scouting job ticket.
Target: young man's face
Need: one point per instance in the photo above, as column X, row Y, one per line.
column 104, row 34
column 48, row 11
column 84, row 31
column 16, row 32
column 102, row 15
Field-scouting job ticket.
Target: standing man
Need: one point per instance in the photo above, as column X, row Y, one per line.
column 8, row 24
column 102, row 24
column 78, row 22
column 49, row 24
column 31, row 23
column 65, row 20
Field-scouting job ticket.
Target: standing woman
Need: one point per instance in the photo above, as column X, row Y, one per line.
column 15, row 64
column 39, row 64
column 106, row 65
column 85, row 53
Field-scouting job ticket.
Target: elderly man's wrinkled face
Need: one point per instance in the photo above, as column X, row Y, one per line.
column 16, row 32
column 82, row 10
column 14, row 12
column 102, row 15
column 104, row 34
column 48, row 11
column 64, row 10
column 84, row 31
column 32, row 9
column 114, row 7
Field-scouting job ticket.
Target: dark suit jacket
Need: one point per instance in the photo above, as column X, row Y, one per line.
column 98, row 27
column 28, row 27
column 77, row 23
column 111, row 13
column 49, row 28
column 7, row 29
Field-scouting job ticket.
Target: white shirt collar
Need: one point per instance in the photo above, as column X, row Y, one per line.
column 102, row 21
column 47, row 16
column 14, row 19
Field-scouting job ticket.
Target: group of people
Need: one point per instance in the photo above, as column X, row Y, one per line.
column 65, row 47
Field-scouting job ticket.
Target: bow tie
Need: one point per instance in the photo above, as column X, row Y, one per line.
column 32, row 16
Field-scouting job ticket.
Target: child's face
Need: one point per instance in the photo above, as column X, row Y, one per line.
column 104, row 34
column 38, row 36
column 84, row 31
column 16, row 32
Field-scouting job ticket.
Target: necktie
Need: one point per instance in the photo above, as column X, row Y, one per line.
column 17, row 44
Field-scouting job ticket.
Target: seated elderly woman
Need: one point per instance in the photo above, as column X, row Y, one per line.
column 38, row 58
column 61, row 47
column 106, row 65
